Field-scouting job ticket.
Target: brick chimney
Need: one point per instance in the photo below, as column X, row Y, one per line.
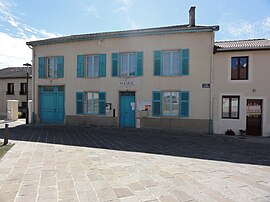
column 192, row 16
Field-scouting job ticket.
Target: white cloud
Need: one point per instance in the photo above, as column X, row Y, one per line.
column 125, row 7
column 13, row 37
column 13, row 51
column 6, row 14
column 243, row 29
column 266, row 24
column 92, row 10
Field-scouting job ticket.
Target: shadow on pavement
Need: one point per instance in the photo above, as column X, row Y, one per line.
column 164, row 142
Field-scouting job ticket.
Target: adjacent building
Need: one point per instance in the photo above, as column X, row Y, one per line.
column 241, row 87
column 136, row 78
column 13, row 84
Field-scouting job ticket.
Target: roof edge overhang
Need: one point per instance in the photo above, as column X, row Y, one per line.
column 240, row 49
column 130, row 33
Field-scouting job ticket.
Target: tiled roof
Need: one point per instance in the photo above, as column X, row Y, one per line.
column 241, row 45
column 14, row 72
column 126, row 33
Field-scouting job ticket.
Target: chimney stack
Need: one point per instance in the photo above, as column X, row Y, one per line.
column 192, row 16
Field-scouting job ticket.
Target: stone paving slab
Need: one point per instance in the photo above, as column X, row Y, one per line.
column 99, row 164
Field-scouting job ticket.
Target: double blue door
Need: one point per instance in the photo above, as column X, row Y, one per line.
column 127, row 109
column 52, row 104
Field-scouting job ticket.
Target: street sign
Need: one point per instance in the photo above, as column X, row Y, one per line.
column 206, row 85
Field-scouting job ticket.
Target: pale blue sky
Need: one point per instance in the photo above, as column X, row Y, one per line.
column 25, row 20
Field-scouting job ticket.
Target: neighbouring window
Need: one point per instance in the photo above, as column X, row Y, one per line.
column 10, row 88
column 170, row 103
column 128, row 64
column 91, row 103
column 239, row 68
column 171, row 63
column 92, row 66
column 230, row 107
column 51, row 67
column 23, row 89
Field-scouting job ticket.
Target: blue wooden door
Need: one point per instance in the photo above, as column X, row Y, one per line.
column 52, row 104
column 127, row 109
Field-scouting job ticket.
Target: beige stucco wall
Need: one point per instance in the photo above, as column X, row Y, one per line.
column 257, row 87
column 4, row 97
column 200, row 45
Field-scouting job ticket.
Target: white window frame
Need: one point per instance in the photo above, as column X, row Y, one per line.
column 128, row 64
column 171, row 62
column 171, row 103
column 49, row 68
column 92, row 104
column 92, row 66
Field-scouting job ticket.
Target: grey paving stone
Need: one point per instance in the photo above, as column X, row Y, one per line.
column 65, row 185
column 90, row 196
column 136, row 186
column 167, row 198
column 122, row 192
column 67, row 195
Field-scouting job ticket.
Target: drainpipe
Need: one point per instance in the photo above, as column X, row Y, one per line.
column 33, row 83
column 211, row 98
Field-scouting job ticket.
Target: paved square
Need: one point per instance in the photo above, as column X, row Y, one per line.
column 73, row 163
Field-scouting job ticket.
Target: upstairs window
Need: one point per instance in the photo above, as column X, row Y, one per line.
column 10, row 89
column 171, row 63
column 91, row 66
column 127, row 64
column 230, row 107
column 23, row 89
column 51, row 67
column 239, row 68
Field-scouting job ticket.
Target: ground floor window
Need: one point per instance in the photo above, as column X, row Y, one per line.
column 230, row 107
column 170, row 104
column 91, row 103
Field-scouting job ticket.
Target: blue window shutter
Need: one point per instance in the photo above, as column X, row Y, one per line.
column 60, row 67
column 139, row 63
column 156, row 103
column 102, row 103
column 184, row 104
column 80, row 103
column 102, row 65
column 184, row 69
column 41, row 67
column 115, row 64
column 157, row 63
column 80, row 66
